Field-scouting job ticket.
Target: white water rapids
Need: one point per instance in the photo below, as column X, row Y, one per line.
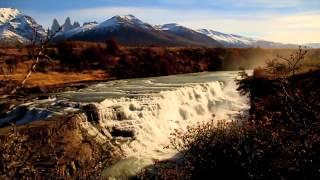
column 140, row 114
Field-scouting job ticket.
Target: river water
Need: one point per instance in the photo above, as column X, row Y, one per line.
column 140, row 114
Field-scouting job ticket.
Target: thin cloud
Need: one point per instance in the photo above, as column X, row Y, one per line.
column 269, row 3
column 260, row 4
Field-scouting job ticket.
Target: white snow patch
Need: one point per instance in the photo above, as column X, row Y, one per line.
column 125, row 20
column 7, row 14
column 227, row 38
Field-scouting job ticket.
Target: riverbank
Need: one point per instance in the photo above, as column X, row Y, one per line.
column 60, row 147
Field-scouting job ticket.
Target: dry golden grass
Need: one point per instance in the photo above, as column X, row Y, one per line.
column 57, row 78
column 13, row 51
column 50, row 78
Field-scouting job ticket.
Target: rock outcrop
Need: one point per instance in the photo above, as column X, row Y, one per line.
column 59, row 147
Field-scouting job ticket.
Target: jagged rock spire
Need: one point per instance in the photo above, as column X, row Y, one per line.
column 67, row 25
column 76, row 24
column 55, row 26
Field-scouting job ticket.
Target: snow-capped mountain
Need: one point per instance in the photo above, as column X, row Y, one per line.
column 228, row 40
column 128, row 30
column 86, row 27
column 188, row 34
column 8, row 37
column 7, row 14
column 19, row 28
column 173, row 27
column 25, row 26
column 236, row 41
column 16, row 27
column 124, row 21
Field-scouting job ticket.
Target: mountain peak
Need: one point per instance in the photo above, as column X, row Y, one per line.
column 124, row 20
column 67, row 25
column 55, row 26
column 174, row 27
column 76, row 24
column 9, row 10
column 7, row 14
column 127, row 17
column 19, row 28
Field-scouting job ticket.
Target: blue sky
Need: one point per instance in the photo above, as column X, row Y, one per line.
column 292, row 21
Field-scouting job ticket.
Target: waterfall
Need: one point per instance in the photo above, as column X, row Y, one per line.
column 138, row 116
column 141, row 126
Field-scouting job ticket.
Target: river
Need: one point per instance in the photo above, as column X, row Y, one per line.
column 140, row 114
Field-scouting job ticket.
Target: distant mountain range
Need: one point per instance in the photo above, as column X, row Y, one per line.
column 313, row 45
column 17, row 28
column 129, row 30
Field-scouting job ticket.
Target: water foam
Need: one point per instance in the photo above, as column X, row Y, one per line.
column 144, row 123
column 138, row 116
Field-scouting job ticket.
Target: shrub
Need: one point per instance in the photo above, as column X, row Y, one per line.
column 112, row 46
column 280, row 139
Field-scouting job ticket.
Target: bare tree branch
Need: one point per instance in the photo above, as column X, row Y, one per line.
column 37, row 54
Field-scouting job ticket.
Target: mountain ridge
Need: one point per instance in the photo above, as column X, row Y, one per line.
column 128, row 30
column 19, row 28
